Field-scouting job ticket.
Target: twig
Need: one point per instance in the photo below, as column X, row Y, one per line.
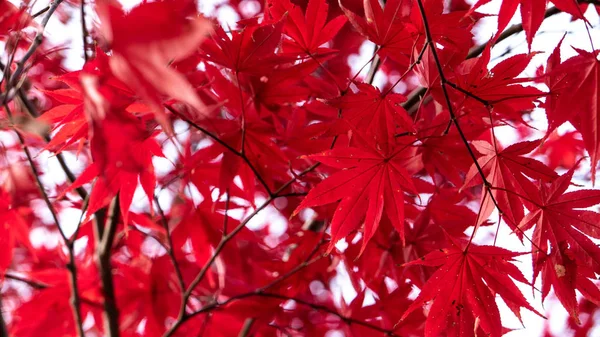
column 347, row 320
column 307, row 262
column 262, row 289
column 75, row 299
column 444, row 82
column 225, row 217
column 243, row 106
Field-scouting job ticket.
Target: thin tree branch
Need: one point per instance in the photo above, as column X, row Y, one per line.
column 84, row 31
column 169, row 246
column 348, row 320
column 40, row 12
column 453, row 118
column 183, row 316
column 31, row 283
column 75, row 299
column 71, row 266
column 416, row 95
column 32, row 110
column 37, row 41
column 3, row 328
column 375, row 64
column 243, row 105
column 307, row 261
column 444, row 82
column 244, row 332
column 226, row 218
column 224, row 144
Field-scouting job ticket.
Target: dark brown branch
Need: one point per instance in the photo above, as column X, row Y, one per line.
column 75, row 299
column 375, row 62
column 347, row 320
column 444, row 82
column 226, row 218
column 307, row 262
column 469, row 94
column 105, row 234
column 243, row 105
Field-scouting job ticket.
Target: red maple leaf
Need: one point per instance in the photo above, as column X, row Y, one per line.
column 122, row 150
column 371, row 181
column 387, row 27
column 250, row 50
column 506, row 169
column 145, row 40
column 574, row 85
column 460, row 296
column 310, row 31
column 378, row 114
column 563, row 225
column 499, row 88
column 562, row 150
column 532, row 13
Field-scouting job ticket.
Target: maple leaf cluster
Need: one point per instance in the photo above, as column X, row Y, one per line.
column 199, row 179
